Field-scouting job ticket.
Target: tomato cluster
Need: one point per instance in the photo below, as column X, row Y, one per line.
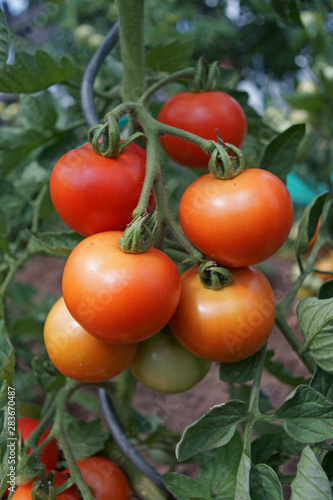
column 114, row 303
column 105, row 478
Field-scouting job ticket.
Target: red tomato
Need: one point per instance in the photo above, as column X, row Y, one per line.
column 106, row 479
column 118, row 297
column 79, row 355
column 92, row 193
column 49, row 455
column 201, row 114
column 24, row 492
column 226, row 325
column 237, row 222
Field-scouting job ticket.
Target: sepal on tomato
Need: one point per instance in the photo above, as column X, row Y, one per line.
column 214, row 276
column 138, row 237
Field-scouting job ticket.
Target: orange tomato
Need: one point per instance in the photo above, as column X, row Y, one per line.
column 226, row 325
column 118, row 297
column 106, row 480
column 79, row 355
column 237, row 222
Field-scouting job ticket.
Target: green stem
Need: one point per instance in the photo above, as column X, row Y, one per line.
column 290, row 336
column 131, row 30
column 206, row 145
column 37, row 206
column 58, row 431
column 184, row 73
column 286, row 302
column 253, row 410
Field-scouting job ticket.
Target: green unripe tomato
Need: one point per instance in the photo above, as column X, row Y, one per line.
column 83, row 32
column 95, row 40
column 164, row 365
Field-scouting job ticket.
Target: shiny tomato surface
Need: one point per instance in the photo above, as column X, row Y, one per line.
column 226, row 325
column 79, row 355
column 201, row 114
column 237, row 222
column 118, row 297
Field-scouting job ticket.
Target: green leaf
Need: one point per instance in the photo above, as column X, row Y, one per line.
column 311, row 480
column 29, row 410
column 263, row 448
column 171, row 56
column 279, row 156
column 30, row 181
column 308, row 224
column 219, row 468
column 243, row 479
column 16, row 144
column 279, row 371
column 212, row 430
column 313, row 103
column 39, row 111
column 326, row 225
column 327, row 465
column 323, row 383
column 183, row 487
column 238, row 373
column 60, row 244
column 306, row 415
column 315, row 318
column 264, row 483
column 31, row 74
column 86, row 438
column 217, row 478
column 4, row 40
column 326, row 290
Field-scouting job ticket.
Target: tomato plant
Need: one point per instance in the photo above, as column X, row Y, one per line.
column 92, row 193
column 106, row 480
column 237, row 222
column 226, row 325
column 79, row 355
column 201, row 114
column 118, row 297
column 49, row 455
column 164, row 365
column 24, row 492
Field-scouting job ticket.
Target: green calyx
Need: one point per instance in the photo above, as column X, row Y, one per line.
column 207, row 78
column 213, row 276
column 138, row 237
column 223, row 166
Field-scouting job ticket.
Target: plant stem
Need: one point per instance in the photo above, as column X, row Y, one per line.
column 290, row 336
column 58, row 431
column 131, row 30
column 253, row 410
column 184, row 73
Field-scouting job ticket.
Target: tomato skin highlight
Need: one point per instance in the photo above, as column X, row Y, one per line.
column 92, row 193
column 117, row 297
column 201, row 114
column 237, row 222
column 226, row 325
column 24, row 492
column 107, row 480
column 162, row 364
column 79, row 355
column 49, row 455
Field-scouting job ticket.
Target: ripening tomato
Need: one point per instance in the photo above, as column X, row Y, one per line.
column 201, row 114
column 79, row 355
column 237, row 222
column 226, row 325
column 118, row 297
column 164, row 365
column 49, row 455
column 24, row 492
column 106, row 480
column 92, row 193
